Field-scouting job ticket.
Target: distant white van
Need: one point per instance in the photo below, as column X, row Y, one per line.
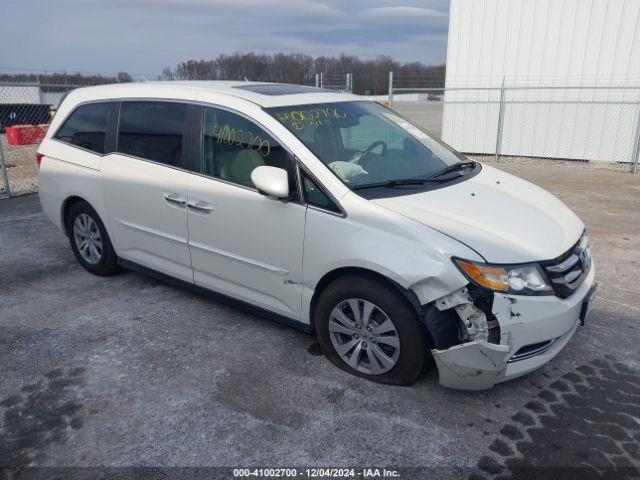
column 327, row 212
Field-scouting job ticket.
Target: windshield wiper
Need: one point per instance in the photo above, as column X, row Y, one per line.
column 434, row 178
column 403, row 181
column 454, row 168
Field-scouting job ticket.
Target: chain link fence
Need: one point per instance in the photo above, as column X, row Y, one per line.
column 336, row 82
column 28, row 102
column 595, row 122
column 26, row 110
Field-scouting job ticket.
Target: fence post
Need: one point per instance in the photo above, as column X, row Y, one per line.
column 3, row 165
column 636, row 145
column 40, row 94
column 500, row 122
column 391, row 89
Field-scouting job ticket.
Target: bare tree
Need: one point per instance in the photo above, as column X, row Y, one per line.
column 167, row 74
column 124, row 77
column 368, row 75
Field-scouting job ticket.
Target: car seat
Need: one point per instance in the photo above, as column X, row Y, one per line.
column 237, row 168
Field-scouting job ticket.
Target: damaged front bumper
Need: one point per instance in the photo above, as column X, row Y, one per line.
column 476, row 365
column 524, row 321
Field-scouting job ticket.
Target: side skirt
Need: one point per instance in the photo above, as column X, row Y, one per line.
column 220, row 297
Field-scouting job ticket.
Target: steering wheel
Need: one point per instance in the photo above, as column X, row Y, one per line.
column 371, row 148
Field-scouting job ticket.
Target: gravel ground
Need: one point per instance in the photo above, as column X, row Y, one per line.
column 517, row 162
column 125, row 371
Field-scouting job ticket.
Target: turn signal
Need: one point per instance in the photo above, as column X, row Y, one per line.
column 494, row 278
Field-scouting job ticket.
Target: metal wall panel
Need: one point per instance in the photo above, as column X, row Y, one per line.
column 542, row 43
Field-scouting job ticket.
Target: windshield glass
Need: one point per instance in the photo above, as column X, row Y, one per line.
column 363, row 142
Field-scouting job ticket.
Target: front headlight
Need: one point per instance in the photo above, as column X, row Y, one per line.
column 526, row 279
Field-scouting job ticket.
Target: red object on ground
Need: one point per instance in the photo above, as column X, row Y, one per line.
column 26, row 134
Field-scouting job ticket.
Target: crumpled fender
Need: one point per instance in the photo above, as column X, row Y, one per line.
column 476, row 365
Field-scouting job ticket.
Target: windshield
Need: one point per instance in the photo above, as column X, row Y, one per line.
column 365, row 143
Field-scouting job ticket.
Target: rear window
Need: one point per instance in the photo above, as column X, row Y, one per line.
column 152, row 130
column 86, row 127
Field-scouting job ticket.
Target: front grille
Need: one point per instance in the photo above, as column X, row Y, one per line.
column 568, row 271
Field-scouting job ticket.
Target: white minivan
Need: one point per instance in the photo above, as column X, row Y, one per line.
column 328, row 212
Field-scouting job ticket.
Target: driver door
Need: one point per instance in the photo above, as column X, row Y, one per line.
column 242, row 243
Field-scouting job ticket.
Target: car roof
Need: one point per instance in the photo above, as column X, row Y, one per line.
column 264, row 94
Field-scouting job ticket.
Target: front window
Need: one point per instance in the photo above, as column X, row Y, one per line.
column 365, row 144
column 233, row 146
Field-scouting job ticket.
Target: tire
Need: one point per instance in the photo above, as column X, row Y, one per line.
column 339, row 297
column 99, row 257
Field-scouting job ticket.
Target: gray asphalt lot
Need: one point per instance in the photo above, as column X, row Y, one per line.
column 426, row 114
column 127, row 371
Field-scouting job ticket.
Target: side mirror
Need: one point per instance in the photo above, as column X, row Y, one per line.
column 271, row 181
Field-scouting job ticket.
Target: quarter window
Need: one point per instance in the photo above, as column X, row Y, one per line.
column 86, row 127
column 152, row 130
column 233, row 146
column 315, row 196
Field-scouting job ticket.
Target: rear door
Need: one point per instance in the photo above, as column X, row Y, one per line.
column 145, row 186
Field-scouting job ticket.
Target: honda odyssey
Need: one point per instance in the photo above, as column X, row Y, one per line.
column 328, row 212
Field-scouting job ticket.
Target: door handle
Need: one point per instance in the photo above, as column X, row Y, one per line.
column 175, row 199
column 199, row 207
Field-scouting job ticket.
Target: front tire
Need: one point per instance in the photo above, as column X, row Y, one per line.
column 367, row 328
column 89, row 240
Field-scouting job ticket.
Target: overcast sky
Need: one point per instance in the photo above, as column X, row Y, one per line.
column 143, row 36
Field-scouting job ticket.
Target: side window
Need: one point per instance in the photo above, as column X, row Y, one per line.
column 152, row 130
column 315, row 196
column 86, row 127
column 233, row 146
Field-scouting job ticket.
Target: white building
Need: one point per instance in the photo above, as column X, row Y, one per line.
column 559, row 43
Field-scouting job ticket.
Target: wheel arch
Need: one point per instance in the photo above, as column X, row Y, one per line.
column 66, row 208
column 408, row 295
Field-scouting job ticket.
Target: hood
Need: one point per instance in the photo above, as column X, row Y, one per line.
column 504, row 218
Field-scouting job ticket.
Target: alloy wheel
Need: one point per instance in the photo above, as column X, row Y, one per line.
column 364, row 336
column 87, row 238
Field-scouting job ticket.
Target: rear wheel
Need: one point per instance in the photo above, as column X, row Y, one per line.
column 89, row 240
column 367, row 328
